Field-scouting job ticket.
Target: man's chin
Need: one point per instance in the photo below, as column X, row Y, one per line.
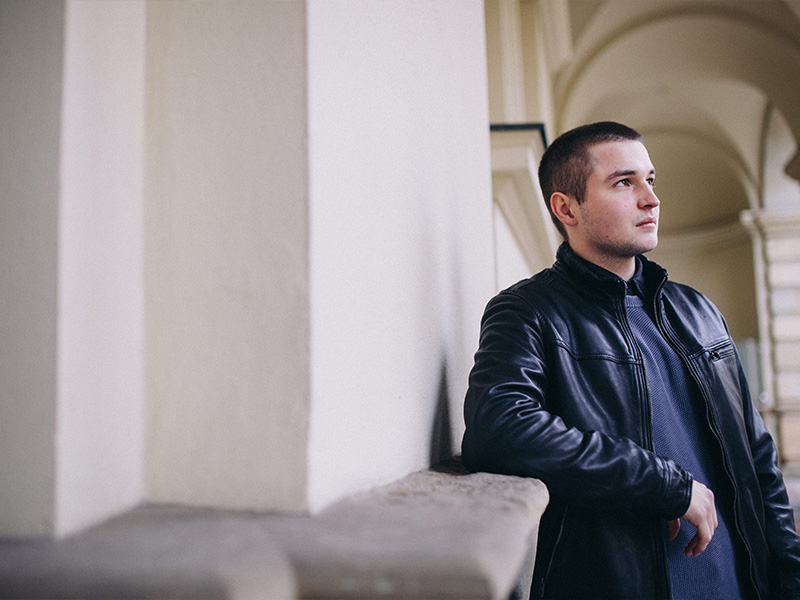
column 649, row 244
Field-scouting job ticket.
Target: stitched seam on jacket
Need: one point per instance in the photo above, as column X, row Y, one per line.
column 561, row 343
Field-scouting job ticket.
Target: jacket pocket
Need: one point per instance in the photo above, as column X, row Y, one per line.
column 720, row 350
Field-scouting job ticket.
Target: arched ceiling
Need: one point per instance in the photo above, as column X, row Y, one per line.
column 682, row 167
column 699, row 78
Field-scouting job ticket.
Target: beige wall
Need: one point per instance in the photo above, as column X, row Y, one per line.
column 780, row 192
column 227, row 254
column 511, row 265
column 710, row 267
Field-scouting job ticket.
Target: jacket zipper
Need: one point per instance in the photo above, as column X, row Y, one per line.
column 546, row 575
column 647, row 409
column 710, row 419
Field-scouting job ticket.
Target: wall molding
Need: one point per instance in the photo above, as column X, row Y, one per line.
column 516, row 151
column 713, row 238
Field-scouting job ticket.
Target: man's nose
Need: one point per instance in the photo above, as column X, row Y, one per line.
column 648, row 198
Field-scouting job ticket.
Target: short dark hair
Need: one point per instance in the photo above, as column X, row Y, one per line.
column 567, row 163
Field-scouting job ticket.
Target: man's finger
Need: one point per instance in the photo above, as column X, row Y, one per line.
column 702, row 513
column 673, row 527
column 689, row 550
column 701, row 540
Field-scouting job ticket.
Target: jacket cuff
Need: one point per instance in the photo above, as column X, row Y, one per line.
column 677, row 491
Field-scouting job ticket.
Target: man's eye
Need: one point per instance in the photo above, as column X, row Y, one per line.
column 622, row 182
column 652, row 182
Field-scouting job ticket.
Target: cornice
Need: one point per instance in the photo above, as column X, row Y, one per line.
column 772, row 222
column 716, row 237
column 516, row 151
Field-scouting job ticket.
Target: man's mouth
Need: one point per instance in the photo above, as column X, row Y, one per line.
column 647, row 223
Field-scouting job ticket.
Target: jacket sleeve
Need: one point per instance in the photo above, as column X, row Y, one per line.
column 509, row 429
column 781, row 535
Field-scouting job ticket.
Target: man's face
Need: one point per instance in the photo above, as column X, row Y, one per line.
column 618, row 217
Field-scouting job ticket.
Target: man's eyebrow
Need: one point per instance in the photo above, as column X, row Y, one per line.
column 626, row 173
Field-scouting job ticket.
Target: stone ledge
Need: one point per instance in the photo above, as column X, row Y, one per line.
column 153, row 552
column 440, row 533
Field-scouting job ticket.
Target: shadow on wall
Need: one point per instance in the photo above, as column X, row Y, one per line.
column 441, row 447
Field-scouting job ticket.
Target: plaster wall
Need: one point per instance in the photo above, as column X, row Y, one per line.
column 100, row 322
column 780, row 192
column 707, row 266
column 226, row 252
column 540, row 59
column 401, row 232
column 31, row 38
column 496, row 88
column 510, row 264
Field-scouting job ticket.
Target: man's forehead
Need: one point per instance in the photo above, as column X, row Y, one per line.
column 624, row 156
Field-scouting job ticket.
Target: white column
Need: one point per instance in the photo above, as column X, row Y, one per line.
column 777, row 235
column 401, row 239
column 505, row 60
column 99, row 447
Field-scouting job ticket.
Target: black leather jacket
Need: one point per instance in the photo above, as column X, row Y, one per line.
column 558, row 392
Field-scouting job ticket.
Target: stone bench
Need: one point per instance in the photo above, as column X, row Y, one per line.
column 438, row 533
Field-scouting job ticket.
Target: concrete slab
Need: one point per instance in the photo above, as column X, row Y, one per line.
column 429, row 535
column 439, row 533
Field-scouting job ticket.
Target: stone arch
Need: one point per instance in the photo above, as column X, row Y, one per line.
column 678, row 48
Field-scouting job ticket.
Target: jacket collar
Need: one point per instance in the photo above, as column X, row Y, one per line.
column 596, row 280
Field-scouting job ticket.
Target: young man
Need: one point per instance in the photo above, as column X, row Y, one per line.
column 623, row 392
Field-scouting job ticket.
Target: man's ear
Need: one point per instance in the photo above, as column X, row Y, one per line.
column 563, row 207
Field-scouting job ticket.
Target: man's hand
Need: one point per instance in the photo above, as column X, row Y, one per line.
column 702, row 514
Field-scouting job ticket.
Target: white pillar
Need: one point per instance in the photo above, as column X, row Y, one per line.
column 401, row 238
column 99, row 435
column 777, row 235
